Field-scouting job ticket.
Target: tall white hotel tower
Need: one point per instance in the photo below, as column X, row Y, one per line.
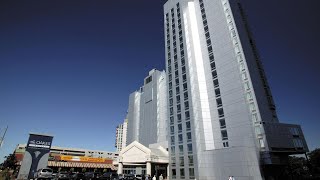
column 222, row 118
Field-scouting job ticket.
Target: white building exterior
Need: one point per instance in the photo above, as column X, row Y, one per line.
column 147, row 114
column 146, row 151
column 222, row 118
column 121, row 135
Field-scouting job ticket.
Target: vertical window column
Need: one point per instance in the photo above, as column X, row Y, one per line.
column 223, row 127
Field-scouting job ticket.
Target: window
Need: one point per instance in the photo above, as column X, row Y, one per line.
column 173, row 160
column 188, row 126
column 204, row 16
column 179, row 117
column 178, row 108
column 181, row 149
column 181, row 159
column 211, row 57
column 203, row 11
column 177, row 90
column 187, row 114
column 182, row 61
column 244, row 76
column 184, row 78
column 261, row 143
column 189, row 137
column 171, row 120
column 172, row 129
column 246, row 85
column 297, row 143
column 186, row 105
column 180, row 138
column 183, row 69
column 172, row 140
column 178, row 99
column 220, row 112
column 208, row 42
column 216, row 83
column 255, row 117
column 226, row 144
column 219, row 102
column 181, row 43
column 182, row 52
column 207, row 35
column 242, row 67
column 185, row 86
column 177, row 82
column 294, row 131
column 171, row 111
column 222, row 123
column 190, row 160
column 210, row 49
column 149, row 79
column 258, row 130
column 185, row 94
column 249, row 96
column 217, row 91
column 214, row 74
column 213, row 65
column 174, row 173
column 224, row 135
column 189, row 146
column 173, row 149
column 171, row 101
column 182, row 176
column 252, row 106
column 170, row 85
column 179, row 128
column 191, row 173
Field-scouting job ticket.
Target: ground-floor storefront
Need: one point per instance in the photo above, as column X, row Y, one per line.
column 81, row 167
column 138, row 159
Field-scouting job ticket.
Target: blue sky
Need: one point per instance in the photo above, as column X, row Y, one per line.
column 68, row 67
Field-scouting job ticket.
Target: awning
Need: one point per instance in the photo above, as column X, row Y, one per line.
column 81, row 165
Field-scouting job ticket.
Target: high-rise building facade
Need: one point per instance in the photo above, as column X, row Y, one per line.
column 147, row 112
column 222, row 118
column 121, row 135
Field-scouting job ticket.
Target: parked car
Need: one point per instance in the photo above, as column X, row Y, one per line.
column 129, row 176
column 139, row 176
column 121, row 176
column 109, row 176
column 62, row 176
column 92, row 175
column 78, row 176
column 44, row 173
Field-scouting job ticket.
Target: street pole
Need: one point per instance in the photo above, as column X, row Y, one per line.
column 2, row 138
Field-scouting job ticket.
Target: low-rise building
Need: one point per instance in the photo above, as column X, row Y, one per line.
column 63, row 159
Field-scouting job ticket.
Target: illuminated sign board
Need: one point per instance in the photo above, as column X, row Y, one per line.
column 81, row 159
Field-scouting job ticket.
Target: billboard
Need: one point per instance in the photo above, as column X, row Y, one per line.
column 36, row 155
column 82, row 159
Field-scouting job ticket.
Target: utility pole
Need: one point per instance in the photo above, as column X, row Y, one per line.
column 2, row 138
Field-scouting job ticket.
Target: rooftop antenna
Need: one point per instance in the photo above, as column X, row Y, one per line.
column 2, row 138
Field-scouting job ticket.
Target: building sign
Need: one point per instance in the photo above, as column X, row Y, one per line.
column 81, row 159
column 36, row 155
